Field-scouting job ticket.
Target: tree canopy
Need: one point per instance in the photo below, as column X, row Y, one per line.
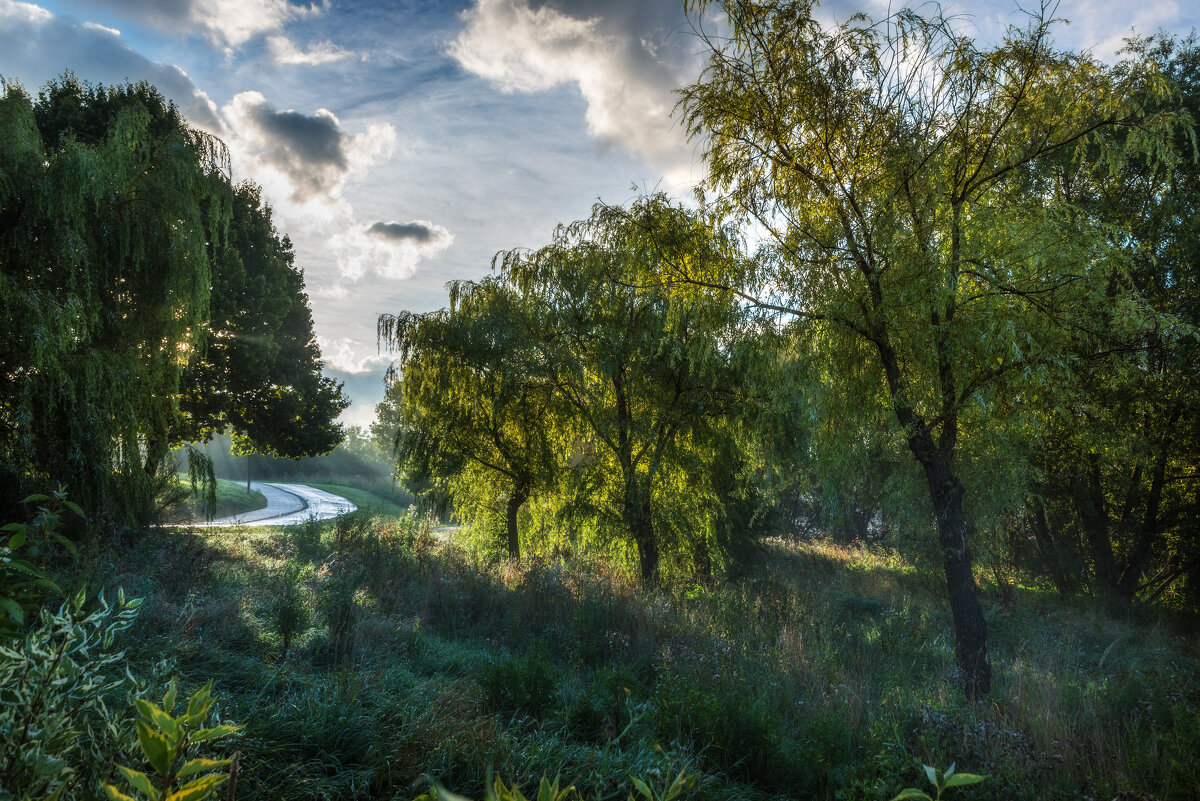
column 916, row 189
column 129, row 262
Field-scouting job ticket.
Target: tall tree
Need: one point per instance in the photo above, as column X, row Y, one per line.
column 146, row 300
column 635, row 366
column 259, row 372
column 105, row 279
column 476, row 412
column 1119, row 464
column 897, row 168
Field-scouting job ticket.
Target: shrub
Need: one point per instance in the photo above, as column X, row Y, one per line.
column 23, row 583
column 521, row 685
column 58, row 732
column 342, row 609
column 289, row 610
column 167, row 743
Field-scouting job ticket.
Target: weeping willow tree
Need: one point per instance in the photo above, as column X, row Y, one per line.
column 476, row 408
column 146, row 302
column 642, row 373
column 922, row 244
column 104, row 238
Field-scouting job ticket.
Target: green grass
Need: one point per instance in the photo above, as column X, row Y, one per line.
column 364, row 499
column 828, row 674
column 232, row 499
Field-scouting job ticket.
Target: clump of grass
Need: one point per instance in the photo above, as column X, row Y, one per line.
column 289, row 610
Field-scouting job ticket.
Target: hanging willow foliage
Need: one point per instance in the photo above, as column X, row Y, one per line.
column 104, row 237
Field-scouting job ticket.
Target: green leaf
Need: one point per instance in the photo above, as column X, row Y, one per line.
column 642, row 788
column 116, row 795
column 193, row 766
column 155, row 747
column 140, row 782
column 203, row 735
column 168, row 703
column 74, row 507
column 963, row 779
column 199, row 702
column 911, row 793
column 46, row 765
column 17, row 540
column 168, row 724
column 932, row 774
column 14, row 527
column 21, row 566
column 36, row 499
column 13, row 609
column 197, row 790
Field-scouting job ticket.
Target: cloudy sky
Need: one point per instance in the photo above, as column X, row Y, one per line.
column 403, row 143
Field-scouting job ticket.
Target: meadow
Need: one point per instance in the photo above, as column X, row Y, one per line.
column 366, row 658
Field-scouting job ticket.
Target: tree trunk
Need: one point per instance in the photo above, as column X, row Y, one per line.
column 1048, row 548
column 516, row 500
column 970, row 627
column 156, row 451
column 1143, row 547
column 1088, row 495
column 641, row 527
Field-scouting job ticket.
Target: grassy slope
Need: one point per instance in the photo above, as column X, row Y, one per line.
column 363, row 499
column 827, row 675
column 232, row 499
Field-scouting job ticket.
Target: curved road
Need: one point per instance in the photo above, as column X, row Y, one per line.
column 287, row 505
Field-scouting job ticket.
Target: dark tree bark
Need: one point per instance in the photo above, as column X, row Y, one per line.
column 1148, row 532
column 1088, row 495
column 516, row 500
column 970, row 626
column 1048, row 548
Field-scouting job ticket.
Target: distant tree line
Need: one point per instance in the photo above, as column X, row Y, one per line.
column 970, row 326
column 147, row 301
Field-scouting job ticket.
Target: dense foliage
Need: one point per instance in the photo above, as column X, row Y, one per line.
column 146, row 302
column 970, row 324
column 577, row 378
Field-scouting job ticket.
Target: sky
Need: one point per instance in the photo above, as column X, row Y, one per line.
column 403, row 144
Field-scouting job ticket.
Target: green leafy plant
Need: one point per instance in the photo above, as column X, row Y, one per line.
column 57, row 729
column 289, row 611
column 22, row 581
column 940, row 784
column 497, row 790
column 167, row 741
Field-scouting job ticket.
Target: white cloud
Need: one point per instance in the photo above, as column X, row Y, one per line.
column 19, row 13
column 362, row 250
column 345, row 354
column 96, row 26
column 625, row 76
column 224, row 23
column 37, row 46
column 284, row 51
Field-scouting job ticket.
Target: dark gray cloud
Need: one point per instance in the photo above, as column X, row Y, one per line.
column 416, row 232
column 300, row 140
column 36, row 45
column 312, row 151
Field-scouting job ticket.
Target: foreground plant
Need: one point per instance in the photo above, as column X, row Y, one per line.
column 497, row 790
column 22, row 582
column 940, row 784
column 166, row 741
column 57, row 730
